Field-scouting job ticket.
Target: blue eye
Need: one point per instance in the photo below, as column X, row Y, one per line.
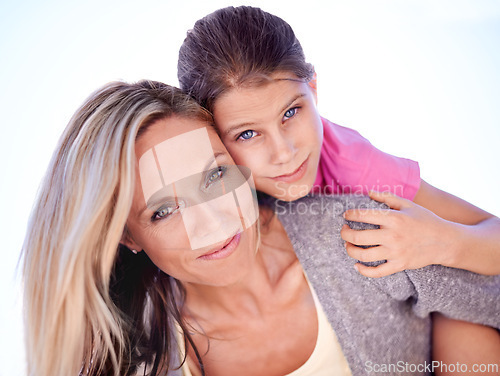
column 247, row 135
column 214, row 175
column 290, row 113
column 164, row 212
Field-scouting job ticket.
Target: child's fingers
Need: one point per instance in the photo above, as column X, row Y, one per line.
column 366, row 254
column 362, row 237
column 393, row 201
column 381, row 270
column 381, row 217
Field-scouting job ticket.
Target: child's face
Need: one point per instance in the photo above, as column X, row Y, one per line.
column 276, row 131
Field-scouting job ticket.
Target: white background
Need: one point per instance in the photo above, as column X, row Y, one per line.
column 419, row 79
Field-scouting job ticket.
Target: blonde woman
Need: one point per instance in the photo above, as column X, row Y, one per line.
column 145, row 254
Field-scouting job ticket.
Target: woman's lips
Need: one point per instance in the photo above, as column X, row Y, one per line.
column 294, row 176
column 224, row 251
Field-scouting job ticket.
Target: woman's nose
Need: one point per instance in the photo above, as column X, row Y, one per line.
column 205, row 220
column 212, row 222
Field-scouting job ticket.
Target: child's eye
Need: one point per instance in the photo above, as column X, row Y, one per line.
column 214, row 175
column 164, row 212
column 290, row 113
column 246, row 135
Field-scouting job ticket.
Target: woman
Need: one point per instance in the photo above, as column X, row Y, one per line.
column 144, row 236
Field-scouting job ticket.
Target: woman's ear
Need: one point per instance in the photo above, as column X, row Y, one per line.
column 128, row 242
column 313, row 84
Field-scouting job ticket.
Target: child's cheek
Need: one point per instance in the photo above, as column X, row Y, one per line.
column 246, row 156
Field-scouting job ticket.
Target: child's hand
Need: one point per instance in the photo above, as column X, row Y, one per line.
column 409, row 237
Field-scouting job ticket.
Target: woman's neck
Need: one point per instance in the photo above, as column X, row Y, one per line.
column 261, row 285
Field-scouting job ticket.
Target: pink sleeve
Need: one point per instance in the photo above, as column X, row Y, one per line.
column 349, row 163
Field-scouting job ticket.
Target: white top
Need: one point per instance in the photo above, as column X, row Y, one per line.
column 327, row 357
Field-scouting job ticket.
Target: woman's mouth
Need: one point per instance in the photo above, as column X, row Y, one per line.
column 227, row 248
column 295, row 175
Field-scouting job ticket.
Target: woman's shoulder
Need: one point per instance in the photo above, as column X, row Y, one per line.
column 315, row 221
column 315, row 212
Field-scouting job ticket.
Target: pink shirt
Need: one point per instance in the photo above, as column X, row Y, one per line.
column 349, row 163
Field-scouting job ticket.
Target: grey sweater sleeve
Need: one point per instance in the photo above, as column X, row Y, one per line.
column 456, row 293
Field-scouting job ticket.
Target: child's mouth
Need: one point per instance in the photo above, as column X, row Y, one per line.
column 295, row 175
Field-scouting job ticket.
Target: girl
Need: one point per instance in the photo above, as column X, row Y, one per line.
column 247, row 68
column 121, row 264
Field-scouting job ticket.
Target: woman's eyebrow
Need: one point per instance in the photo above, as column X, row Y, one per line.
column 217, row 156
column 154, row 201
column 157, row 198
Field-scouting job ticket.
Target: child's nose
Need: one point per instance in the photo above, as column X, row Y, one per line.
column 283, row 150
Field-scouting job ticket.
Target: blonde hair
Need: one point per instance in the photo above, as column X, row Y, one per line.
column 73, row 326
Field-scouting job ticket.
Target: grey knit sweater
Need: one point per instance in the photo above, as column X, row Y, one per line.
column 383, row 325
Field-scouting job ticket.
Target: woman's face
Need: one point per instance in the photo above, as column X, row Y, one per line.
column 194, row 212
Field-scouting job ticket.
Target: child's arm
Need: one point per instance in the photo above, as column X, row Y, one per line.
column 436, row 228
column 475, row 348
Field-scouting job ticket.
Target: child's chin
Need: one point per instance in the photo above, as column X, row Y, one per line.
column 292, row 192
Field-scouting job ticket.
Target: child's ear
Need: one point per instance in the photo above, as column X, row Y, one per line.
column 128, row 242
column 313, row 84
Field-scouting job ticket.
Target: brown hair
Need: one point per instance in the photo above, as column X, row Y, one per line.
column 237, row 46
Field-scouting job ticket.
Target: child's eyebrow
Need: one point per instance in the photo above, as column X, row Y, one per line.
column 289, row 103
column 234, row 128
column 248, row 124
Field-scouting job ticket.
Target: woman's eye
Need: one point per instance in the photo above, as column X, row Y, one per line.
column 290, row 113
column 214, row 175
column 164, row 212
column 247, row 135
